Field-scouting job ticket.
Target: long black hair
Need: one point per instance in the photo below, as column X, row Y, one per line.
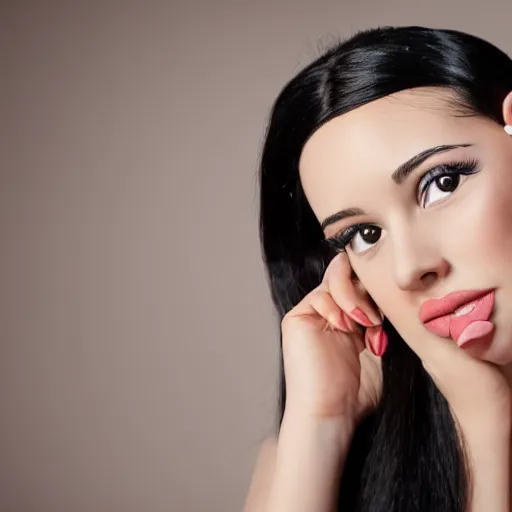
column 407, row 455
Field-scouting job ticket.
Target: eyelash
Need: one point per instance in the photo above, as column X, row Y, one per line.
column 463, row 167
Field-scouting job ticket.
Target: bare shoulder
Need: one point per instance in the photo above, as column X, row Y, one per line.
column 262, row 476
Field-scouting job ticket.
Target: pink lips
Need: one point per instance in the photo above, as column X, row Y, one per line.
column 438, row 314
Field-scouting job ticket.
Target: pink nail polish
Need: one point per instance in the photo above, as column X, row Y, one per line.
column 360, row 316
column 382, row 341
column 368, row 339
column 344, row 321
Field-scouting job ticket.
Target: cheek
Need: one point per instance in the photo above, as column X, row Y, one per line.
column 492, row 236
column 381, row 287
column 483, row 241
column 492, row 217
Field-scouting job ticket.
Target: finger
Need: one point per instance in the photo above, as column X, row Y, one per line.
column 337, row 280
column 323, row 303
column 319, row 302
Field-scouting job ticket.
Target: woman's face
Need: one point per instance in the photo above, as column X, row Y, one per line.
column 426, row 238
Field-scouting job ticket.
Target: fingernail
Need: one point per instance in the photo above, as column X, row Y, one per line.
column 351, row 324
column 345, row 321
column 368, row 338
column 377, row 339
column 361, row 317
column 382, row 341
column 340, row 322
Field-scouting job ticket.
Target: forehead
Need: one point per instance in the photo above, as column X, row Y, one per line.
column 349, row 156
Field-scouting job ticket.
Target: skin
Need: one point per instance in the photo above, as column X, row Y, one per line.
column 457, row 240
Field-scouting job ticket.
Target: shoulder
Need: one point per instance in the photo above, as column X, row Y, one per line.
column 262, row 477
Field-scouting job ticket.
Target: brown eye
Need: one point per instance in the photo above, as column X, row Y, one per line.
column 445, row 179
column 368, row 235
column 441, row 187
column 448, row 183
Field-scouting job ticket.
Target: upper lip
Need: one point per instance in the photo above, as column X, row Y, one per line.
column 435, row 308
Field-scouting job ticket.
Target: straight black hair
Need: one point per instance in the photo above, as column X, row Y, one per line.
column 407, row 455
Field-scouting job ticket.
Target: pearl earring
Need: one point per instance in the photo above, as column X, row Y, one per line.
column 508, row 128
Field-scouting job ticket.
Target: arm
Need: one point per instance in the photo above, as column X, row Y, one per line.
column 485, row 439
column 263, row 474
column 490, row 473
column 310, row 456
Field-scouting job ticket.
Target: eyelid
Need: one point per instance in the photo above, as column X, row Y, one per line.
column 453, row 167
column 352, row 228
column 462, row 167
column 343, row 237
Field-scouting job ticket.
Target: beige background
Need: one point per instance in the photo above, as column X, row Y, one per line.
column 138, row 356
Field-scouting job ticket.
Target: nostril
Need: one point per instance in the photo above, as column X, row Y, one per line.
column 428, row 277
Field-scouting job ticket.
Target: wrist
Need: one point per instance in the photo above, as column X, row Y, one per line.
column 328, row 431
column 311, row 453
column 485, row 428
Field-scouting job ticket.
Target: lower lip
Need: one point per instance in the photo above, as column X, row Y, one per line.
column 452, row 326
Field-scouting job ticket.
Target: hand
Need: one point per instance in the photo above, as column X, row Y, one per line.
column 329, row 368
column 479, row 398
column 477, row 391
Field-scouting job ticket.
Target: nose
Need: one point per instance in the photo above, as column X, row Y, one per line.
column 418, row 261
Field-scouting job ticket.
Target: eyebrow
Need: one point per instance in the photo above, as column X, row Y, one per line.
column 399, row 176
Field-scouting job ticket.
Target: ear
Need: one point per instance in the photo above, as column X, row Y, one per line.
column 507, row 109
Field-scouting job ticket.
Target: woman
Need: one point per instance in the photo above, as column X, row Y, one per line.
column 386, row 227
